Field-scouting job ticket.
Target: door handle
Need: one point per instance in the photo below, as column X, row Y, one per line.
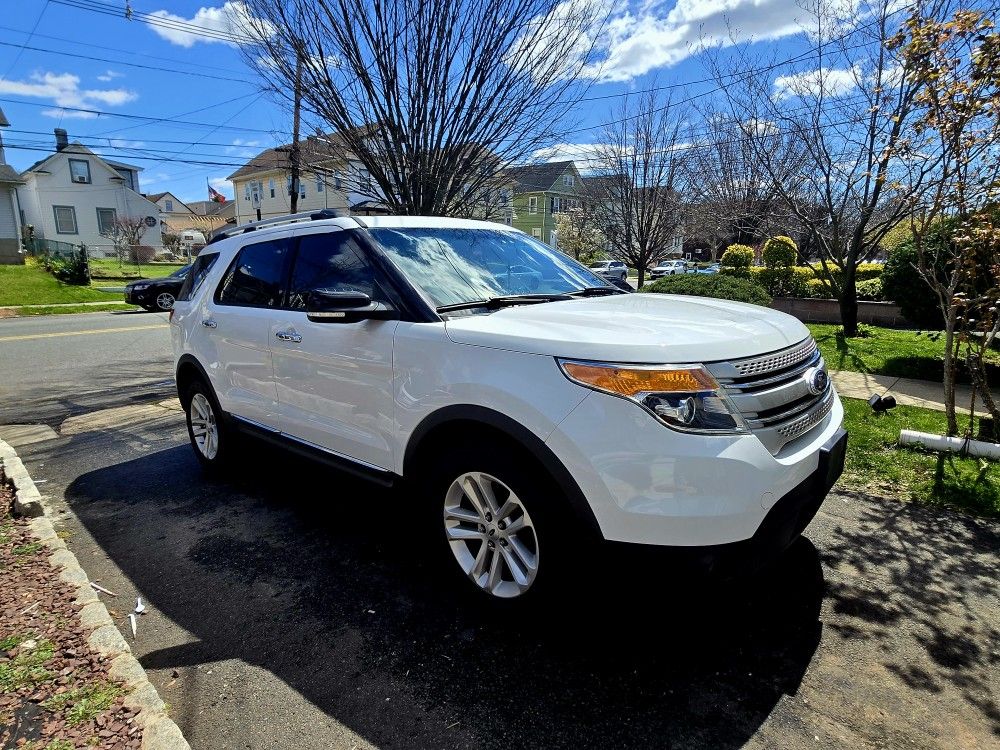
column 209, row 324
column 289, row 336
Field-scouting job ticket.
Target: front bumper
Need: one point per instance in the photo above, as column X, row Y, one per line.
column 142, row 297
column 649, row 485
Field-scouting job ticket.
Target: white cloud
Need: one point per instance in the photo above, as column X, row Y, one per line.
column 636, row 42
column 63, row 89
column 585, row 154
column 825, row 81
column 232, row 19
column 243, row 149
column 221, row 184
column 109, row 75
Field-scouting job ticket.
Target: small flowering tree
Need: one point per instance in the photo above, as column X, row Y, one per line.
column 125, row 232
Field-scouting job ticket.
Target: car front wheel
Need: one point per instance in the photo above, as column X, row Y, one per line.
column 499, row 525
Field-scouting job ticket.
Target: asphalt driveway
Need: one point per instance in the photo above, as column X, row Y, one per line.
column 293, row 607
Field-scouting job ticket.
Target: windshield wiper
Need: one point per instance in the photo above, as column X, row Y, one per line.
column 494, row 303
column 597, row 291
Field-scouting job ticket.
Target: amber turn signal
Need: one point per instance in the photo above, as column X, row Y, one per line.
column 631, row 381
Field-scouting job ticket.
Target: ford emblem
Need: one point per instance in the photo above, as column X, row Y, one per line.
column 816, row 380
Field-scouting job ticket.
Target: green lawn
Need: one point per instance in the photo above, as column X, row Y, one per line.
column 31, row 285
column 875, row 464
column 886, row 351
column 104, row 270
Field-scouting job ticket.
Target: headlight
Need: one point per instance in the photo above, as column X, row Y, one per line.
column 139, row 287
column 684, row 397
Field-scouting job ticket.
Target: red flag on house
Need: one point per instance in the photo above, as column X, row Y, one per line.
column 215, row 195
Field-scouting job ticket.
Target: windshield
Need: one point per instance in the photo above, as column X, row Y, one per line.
column 602, row 264
column 182, row 271
column 465, row 265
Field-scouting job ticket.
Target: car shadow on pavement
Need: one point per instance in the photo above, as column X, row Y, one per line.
column 324, row 582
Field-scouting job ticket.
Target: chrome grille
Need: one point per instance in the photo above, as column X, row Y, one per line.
column 772, row 394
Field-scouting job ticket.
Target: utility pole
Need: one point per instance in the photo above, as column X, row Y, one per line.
column 294, row 155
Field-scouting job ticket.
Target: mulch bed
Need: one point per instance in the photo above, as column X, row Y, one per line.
column 55, row 693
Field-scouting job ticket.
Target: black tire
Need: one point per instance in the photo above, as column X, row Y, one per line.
column 537, row 494
column 197, row 398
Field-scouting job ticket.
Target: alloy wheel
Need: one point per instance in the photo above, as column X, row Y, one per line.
column 204, row 430
column 165, row 301
column 491, row 535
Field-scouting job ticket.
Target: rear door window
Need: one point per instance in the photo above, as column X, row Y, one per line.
column 256, row 276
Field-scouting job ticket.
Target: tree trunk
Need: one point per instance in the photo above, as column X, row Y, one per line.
column 642, row 276
column 849, row 304
column 949, row 371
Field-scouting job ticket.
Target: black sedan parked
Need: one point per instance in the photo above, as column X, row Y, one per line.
column 156, row 294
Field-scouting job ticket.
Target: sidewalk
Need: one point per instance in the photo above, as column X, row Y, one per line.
column 924, row 393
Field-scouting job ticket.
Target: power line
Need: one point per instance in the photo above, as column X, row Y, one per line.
column 158, row 68
column 110, row 145
column 117, row 51
column 144, row 119
column 51, row 150
column 34, row 28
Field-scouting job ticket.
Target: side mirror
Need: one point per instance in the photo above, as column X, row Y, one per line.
column 331, row 306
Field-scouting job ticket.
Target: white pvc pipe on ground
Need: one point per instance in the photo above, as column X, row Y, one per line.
column 953, row 444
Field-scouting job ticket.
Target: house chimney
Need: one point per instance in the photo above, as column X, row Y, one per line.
column 62, row 140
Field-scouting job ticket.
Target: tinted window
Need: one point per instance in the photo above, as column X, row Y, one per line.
column 254, row 279
column 329, row 261
column 196, row 277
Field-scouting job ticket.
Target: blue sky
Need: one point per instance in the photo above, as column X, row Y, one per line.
column 210, row 116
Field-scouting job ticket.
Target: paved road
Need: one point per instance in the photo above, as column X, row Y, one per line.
column 55, row 365
column 292, row 607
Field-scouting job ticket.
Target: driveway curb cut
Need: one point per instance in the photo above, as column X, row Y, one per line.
column 159, row 732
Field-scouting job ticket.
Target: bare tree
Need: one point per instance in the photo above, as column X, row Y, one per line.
column 733, row 200
column 640, row 170
column 125, row 233
column 826, row 133
column 433, row 98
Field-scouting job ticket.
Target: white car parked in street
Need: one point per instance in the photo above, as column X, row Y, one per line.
column 671, row 268
column 531, row 403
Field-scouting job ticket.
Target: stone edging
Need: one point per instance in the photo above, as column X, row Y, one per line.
column 159, row 732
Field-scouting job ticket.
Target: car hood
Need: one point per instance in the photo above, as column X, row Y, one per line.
column 651, row 328
column 166, row 280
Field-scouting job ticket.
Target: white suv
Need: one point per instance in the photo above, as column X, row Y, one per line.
column 529, row 402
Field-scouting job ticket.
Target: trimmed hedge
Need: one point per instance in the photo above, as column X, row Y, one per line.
column 711, row 285
column 737, row 260
column 780, row 252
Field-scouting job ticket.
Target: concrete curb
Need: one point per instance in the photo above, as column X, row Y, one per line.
column 159, row 732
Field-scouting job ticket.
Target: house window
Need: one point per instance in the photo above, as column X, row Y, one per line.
column 170, row 206
column 319, row 184
column 79, row 171
column 533, row 206
column 568, row 180
column 302, row 189
column 337, row 181
column 364, row 181
column 65, row 219
column 246, row 192
column 536, row 233
column 128, row 175
column 106, row 220
column 270, row 186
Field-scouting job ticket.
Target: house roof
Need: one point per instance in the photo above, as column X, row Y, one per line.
column 77, row 148
column 4, row 122
column 211, row 208
column 122, row 165
column 8, row 175
column 534, row 177
column 204, row 224
column 311, row 151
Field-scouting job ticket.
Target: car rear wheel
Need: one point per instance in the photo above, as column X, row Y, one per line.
column 207, row 428
column 164, row 301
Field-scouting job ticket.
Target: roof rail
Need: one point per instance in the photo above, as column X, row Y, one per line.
column 326, row 213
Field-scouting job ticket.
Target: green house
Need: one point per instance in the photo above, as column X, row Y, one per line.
column 540, row 192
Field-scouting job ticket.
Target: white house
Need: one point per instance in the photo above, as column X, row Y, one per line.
column 330, row 178
column 10, row 226
column 74, row 195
